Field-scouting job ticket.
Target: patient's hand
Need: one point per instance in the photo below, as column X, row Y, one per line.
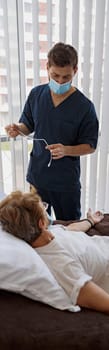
column 96, row 217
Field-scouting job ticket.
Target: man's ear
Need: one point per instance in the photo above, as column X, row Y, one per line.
column 47, row 66
column 75, row 69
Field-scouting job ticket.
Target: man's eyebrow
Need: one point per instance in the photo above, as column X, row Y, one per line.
column 55, row 73
column 67, row 75
column 64, row 76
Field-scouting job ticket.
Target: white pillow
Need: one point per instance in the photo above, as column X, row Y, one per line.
column 22, row 270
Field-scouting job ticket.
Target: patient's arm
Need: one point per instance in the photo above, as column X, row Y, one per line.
column 86, row 224
column 82, row 225
column 93, row 297
column 63, row 222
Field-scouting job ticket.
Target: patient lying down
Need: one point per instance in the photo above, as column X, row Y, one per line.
column 79, row 263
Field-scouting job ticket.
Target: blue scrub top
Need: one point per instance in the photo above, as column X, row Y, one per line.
column 72, row 122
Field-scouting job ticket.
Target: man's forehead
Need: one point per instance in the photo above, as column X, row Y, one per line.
column 61, row 70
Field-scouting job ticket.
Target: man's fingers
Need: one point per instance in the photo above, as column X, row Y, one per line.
column 53, row 146
column 12, row 130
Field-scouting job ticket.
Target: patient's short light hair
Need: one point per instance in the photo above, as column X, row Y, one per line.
column 20, row 214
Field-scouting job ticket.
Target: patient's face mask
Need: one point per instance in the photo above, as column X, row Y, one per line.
column 59, row 88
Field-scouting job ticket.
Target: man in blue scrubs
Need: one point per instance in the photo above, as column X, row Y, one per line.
column 65, row 123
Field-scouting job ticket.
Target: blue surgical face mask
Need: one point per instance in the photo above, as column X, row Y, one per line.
column 59, row 88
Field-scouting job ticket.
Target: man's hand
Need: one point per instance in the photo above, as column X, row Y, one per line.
column 96, row 217
column 12, row 130
column 57, row 150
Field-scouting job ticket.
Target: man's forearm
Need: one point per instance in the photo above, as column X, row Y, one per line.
column 23, row 128
column 78, row 150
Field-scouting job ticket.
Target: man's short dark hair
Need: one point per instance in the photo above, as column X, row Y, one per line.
column 62, row 55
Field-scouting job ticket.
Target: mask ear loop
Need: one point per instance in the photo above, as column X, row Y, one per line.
column 33, row 138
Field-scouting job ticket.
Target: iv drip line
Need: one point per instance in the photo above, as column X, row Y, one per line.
column 37, row 139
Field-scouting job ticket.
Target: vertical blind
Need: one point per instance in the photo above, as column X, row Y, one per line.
column 27, row 31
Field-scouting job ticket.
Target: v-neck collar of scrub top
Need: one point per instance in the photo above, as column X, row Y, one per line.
column 62, row 102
